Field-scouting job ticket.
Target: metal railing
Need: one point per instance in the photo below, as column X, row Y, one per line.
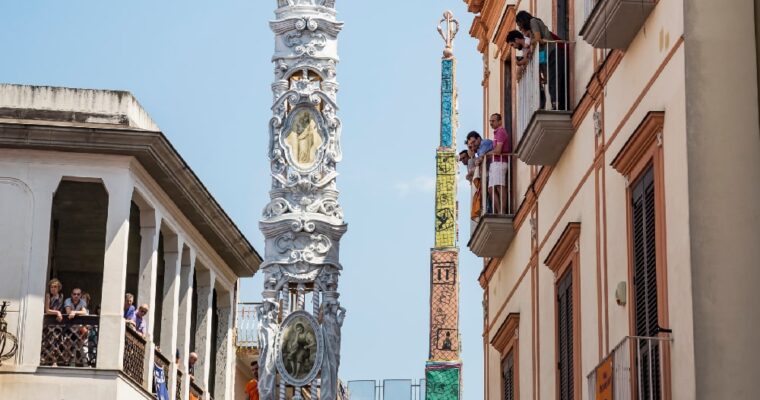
column 389, row 389
column 635, row 369
column 544, row 83
column 134, row 356
column 247, row 325
column 179, row 385
column 70, row 342
column 491, row 186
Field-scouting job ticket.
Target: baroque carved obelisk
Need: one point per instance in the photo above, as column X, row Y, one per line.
column 300, row 316
column 443, row 369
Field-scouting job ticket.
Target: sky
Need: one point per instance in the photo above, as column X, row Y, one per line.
column 203, row 71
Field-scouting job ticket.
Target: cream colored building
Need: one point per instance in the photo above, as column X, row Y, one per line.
column 625, row 265
column 93, row 194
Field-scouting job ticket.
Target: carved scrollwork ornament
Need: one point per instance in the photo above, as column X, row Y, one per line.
column 303, row 221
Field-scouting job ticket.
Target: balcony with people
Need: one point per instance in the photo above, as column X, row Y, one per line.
column 544, row 97
column 124, row 267
column 170, row 308
column 489, row 171
column 613, row 24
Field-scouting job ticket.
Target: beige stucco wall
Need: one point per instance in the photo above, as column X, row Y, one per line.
column 650, row 77
column 723, row 144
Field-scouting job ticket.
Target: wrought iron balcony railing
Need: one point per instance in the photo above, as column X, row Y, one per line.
column 134, row 356
column 70, row 342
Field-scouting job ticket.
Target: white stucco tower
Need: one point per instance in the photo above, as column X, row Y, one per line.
column 300, row 316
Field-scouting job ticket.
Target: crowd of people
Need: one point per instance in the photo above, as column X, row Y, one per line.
column 531, row 36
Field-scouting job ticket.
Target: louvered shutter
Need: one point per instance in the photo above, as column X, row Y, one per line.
column 508, row 377
column 565, row 334
column 645, row 284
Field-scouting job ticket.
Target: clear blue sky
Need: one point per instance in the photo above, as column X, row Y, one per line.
column 202, row 70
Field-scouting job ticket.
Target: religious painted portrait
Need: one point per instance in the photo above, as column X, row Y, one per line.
column 300, row 348
column 302, row 138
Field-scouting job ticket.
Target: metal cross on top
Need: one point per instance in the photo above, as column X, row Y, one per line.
column 448, row 27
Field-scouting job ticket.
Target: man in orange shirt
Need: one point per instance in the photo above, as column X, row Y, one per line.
column 252, row 388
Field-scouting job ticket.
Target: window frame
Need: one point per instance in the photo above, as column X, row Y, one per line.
column 507, row 341
column 564, row 259
column 644, row 149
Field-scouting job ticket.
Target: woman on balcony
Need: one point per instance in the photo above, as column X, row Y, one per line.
column 54, row 299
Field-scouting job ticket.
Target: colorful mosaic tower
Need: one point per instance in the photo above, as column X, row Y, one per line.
column 443, row 369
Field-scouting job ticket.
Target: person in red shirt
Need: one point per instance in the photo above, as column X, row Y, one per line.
column 252, row 388
column 497, row 170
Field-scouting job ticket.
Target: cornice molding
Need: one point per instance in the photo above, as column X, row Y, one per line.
column 154, row 152
column 507, row 331
column 474, row 6
column 506, row 24
column 566, row 246
column 639, row 143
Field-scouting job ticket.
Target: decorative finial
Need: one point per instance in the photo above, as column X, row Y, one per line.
column 448, row 27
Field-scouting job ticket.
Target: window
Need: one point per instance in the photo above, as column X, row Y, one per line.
column 507, row 99
column 563, row 19
column 508, row 376
column 644, row 261
column 506, row 342
column 565, row 336
column 641, row 163
column 645, row 298
column 564, row 261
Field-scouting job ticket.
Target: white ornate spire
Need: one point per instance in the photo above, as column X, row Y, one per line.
column 303, row 222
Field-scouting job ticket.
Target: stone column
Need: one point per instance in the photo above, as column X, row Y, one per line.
column 150, row 226
column 185, row 310
column 30, row 345
column 111, row 340
column 205, row 287
column 169, row 317
column 225, row 355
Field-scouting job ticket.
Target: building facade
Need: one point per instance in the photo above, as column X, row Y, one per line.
column 623, row 262
column 94, row 196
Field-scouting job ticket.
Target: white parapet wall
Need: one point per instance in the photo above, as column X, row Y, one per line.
column 111, row 107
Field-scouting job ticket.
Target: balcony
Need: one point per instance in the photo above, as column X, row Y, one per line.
column 247, row 326
column 544, row 111
column 491, row 209
column 612, row 24
column 70, row 342
column 636, row 369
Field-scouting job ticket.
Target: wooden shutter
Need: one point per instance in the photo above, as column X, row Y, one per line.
column 508, row 376
column 565, row 335
column 645, row 284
